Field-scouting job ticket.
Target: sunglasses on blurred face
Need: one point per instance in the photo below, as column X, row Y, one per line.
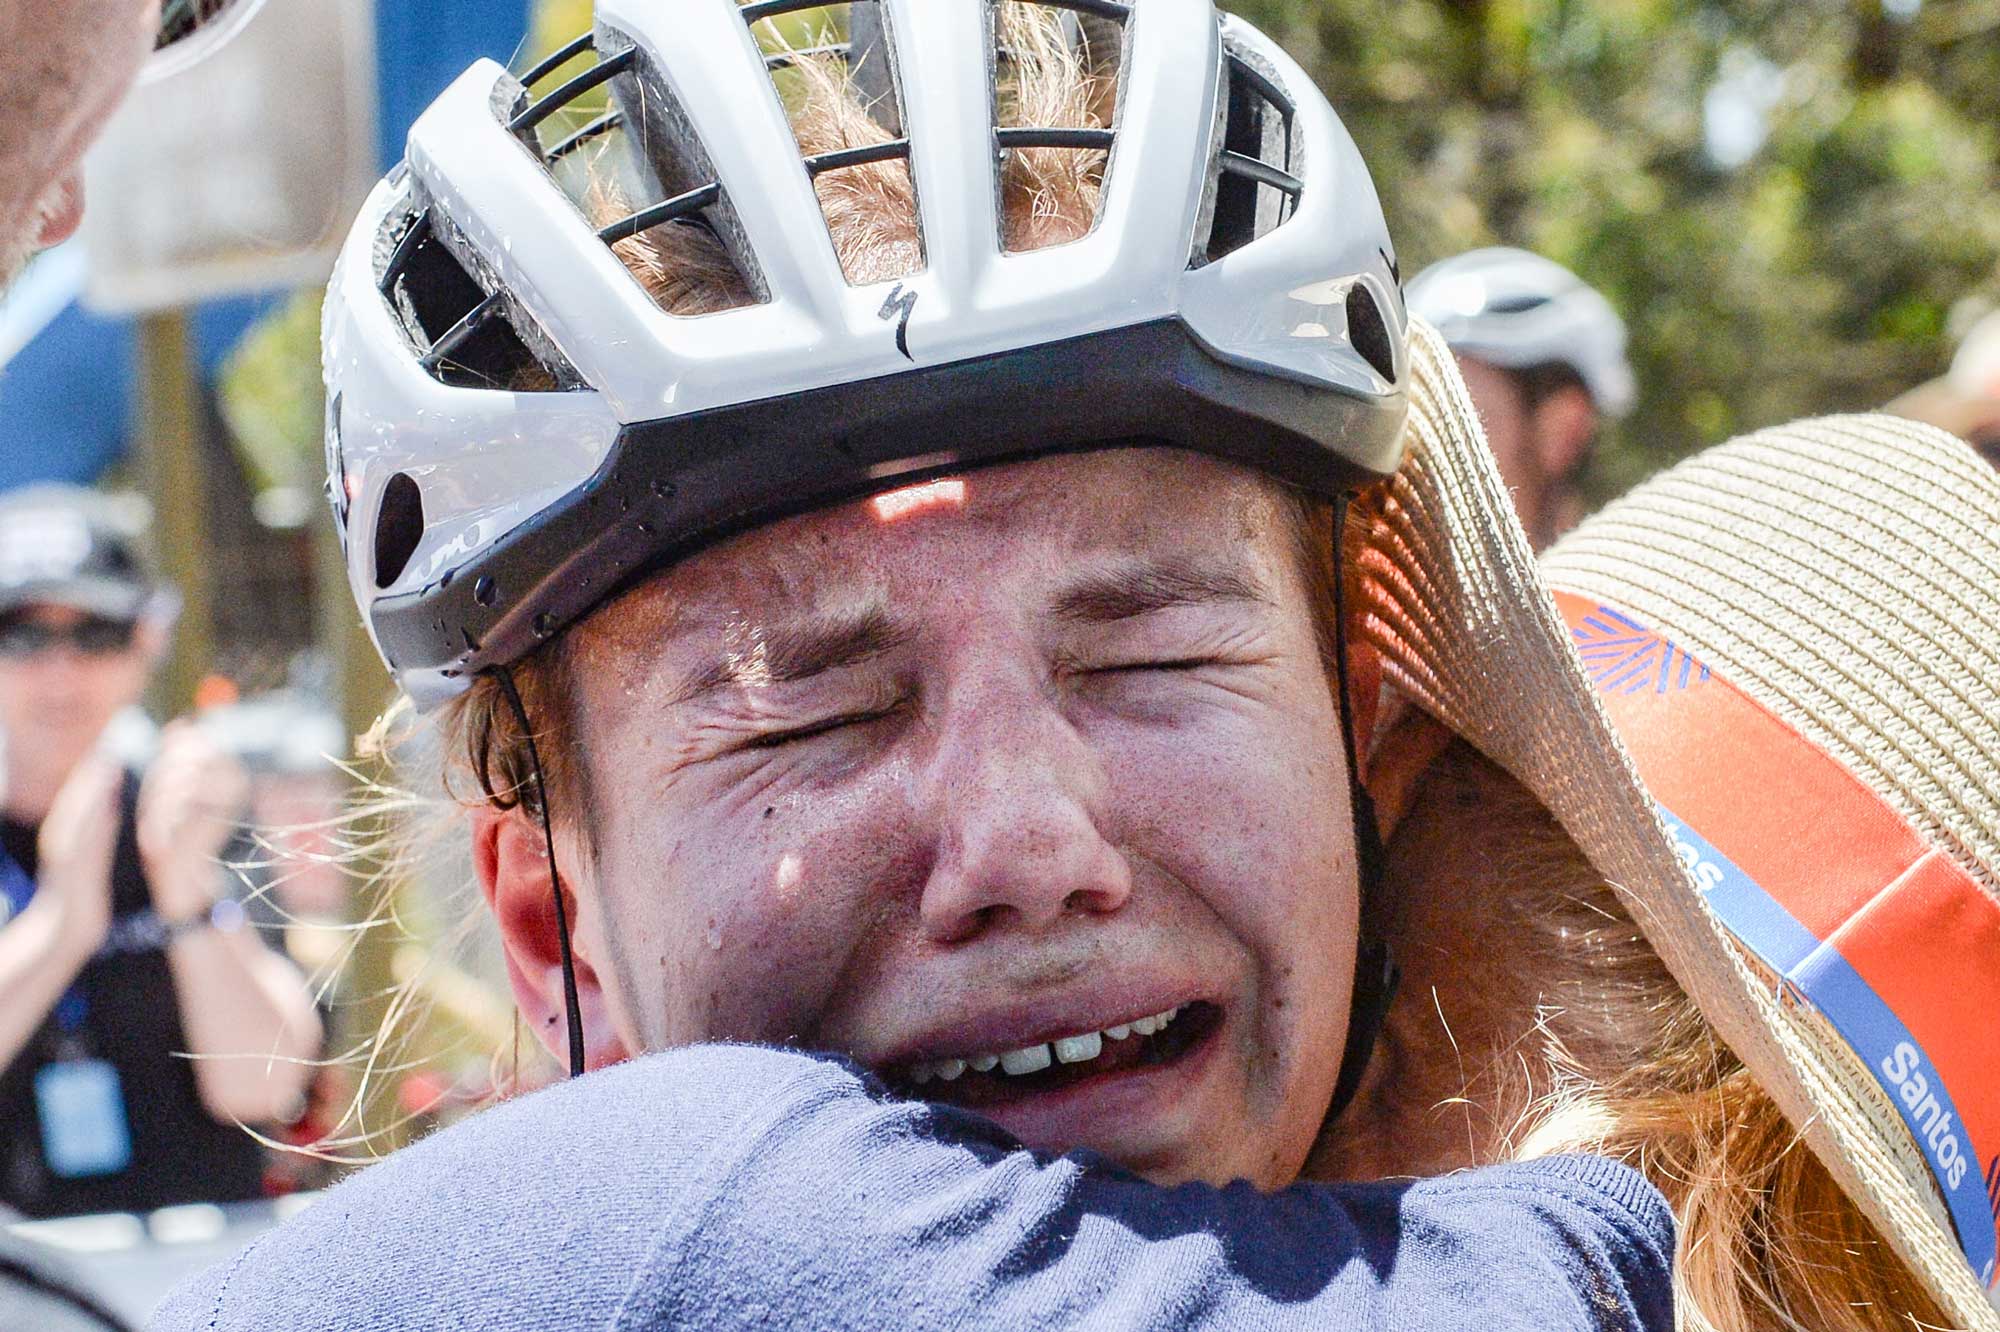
column 93, row 636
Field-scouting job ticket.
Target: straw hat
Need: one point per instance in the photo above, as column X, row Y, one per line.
column 1799, row 637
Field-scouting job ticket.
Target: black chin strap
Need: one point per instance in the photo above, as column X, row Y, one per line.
column 571, row 1008
column 1375, row 973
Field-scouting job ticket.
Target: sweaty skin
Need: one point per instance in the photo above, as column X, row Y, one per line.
column 63, row 69
column 1073, row 759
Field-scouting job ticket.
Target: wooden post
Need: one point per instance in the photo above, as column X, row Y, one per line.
column 168, row 443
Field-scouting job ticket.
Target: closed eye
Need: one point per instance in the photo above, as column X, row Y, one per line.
column 778, row 739
column 1168, row 664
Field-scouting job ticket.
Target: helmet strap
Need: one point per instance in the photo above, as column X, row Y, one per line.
column 1375, row 972
column 571, row 1008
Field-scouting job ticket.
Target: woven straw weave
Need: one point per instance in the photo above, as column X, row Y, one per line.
column 1815, row 567
column 1453, row 601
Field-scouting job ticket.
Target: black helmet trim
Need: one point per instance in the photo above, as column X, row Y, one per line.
column 671, row 487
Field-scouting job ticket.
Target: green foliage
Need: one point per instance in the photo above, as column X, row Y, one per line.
column 271, row 397
column 1819, row 274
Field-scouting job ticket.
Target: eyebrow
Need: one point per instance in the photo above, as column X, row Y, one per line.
column 788, row 653
column 1136, row 588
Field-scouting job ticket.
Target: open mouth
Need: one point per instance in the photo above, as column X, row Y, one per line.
column 1000, row 1076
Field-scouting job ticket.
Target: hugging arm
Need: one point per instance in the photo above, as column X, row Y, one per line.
column 736, row 1187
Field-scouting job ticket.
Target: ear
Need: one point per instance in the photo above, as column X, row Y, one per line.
column 1565, row 424
column 510, row 858
column 1408, row 740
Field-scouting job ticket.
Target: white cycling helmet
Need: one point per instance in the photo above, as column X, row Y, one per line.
column 1238, row 295
column 1517, row 310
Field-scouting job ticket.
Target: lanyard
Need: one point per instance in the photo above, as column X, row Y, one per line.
column 73, row 1008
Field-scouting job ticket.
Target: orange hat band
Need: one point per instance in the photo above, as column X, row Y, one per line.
column 1885, row 936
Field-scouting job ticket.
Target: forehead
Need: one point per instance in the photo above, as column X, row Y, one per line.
column 1017, row 525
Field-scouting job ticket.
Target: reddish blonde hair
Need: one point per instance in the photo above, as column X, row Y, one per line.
column 1540, row 1020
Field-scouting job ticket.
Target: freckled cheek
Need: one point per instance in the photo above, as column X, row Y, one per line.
column 755, row 924
column 1257, row 824
column 1268, row 811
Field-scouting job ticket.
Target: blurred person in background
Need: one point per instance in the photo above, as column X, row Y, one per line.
column 121, row 953
column 65, row 68
column 1544, row 356
column 1966, row 399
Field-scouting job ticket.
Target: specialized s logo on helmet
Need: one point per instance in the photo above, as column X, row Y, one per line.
column 904, row 302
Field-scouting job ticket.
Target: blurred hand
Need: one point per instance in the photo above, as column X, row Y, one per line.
column 189, row 804
column 75, row 845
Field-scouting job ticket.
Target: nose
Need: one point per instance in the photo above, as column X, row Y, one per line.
column 1020, row 797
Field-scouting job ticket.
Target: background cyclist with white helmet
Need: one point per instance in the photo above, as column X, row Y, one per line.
column 67, row 67
column 1544, row 355
column 872, row 566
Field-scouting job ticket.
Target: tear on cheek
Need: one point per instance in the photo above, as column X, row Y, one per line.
column 897, row 505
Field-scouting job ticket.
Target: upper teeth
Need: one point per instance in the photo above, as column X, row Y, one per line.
column 1035, row 1058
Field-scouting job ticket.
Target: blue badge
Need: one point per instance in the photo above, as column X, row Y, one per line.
column 82, row 1109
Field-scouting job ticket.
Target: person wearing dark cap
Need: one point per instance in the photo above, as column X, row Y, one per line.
column 120, row 954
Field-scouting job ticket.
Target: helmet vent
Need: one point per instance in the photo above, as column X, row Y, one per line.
column 834, row 71
column 629, row 159
column 1058, row 67
column 1368, row 332
column 1255, row 191
column 399, row 526
column 465, row 335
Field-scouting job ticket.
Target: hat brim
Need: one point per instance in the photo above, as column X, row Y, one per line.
column 1467, row 628
column 107, row 597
